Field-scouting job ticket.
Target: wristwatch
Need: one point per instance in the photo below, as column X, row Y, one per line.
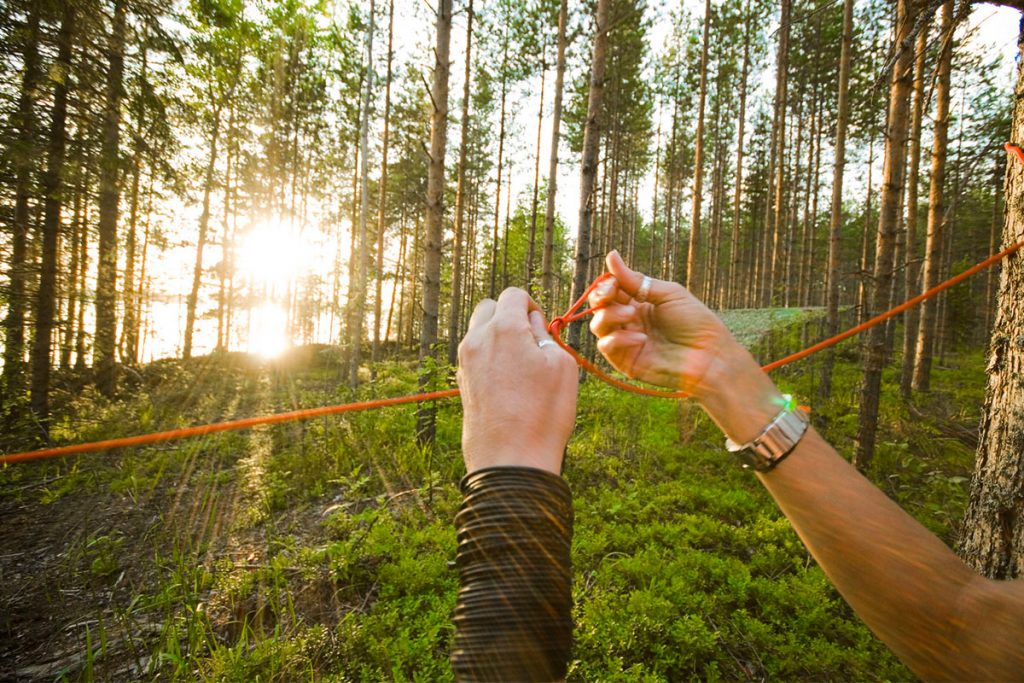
column 777, row 440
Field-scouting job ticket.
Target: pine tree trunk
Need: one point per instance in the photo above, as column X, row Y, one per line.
column 83, row 268
column 204, row 222
column 75, row 298
column 912, row 316
column 383, row 193
column 732, row 299
column 226, row 240
column 936, row 205
column 778, row 185
column 454, row 317
column 694, row 276
column 357, row 291
column 425, row 414
column 589, row 161
column 531, row 251
column 52, row 187
column 888, row 216
column 992, row 536
column 501, row 157
column 547, row 259
column 104, row 358
column 992, row 273
column 24, row 154
column 865, row 247
column 129, row 341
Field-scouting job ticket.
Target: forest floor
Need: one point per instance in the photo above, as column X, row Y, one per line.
column 319, row 550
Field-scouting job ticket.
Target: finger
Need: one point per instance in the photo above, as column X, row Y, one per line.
column 630, row 280
column 621, row 348
column 605, row 293
column 538, row 326
column 513, row 307
column 612, row 318
column 483, row 312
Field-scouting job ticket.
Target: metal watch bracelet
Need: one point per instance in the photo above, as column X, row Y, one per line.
column 777, row 440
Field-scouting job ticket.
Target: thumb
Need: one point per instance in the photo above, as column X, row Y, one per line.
column 630, row 280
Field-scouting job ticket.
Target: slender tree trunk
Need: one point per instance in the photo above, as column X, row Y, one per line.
column 383, row 194
column 694, row 276
column 589, row 161
column 83, row 269
column 454, row 318
column 547, row 259
column 106, row 279
column 865, row 248
column 669, row 241
column 992, row 533
column 791, row 237
column 911, row 317
column 501, row 157
column 779, row 130
column 75, row 296
column 888, row 216
column 52, row 187
column 24, row 154
column 425, row 414
column 204, row 222
column 936, row 205
column 734, row 252
column 357, row 289
column 226, row 239
column 531, row 251
column 129, row 340
column 651, row 255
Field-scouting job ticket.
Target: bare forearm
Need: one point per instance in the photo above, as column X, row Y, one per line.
column 907, row 586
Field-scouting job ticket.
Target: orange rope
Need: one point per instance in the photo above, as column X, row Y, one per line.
column 201, row 430
column 557, row 325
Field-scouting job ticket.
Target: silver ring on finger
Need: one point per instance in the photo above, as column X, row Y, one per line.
column 544, row 342
column 645, row 289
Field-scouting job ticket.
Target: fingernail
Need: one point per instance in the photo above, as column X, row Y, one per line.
column 604, row 288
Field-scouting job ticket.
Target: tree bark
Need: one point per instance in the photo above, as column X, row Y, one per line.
column 52, row 192
column 777, row 185
column 24, row 161
column 936, row 205
column 547, row 259
column 888, row 216
column 531, row 251
column 836, row 214
column 911, row 318
column 454, row 316
column 992, row 536
column 734, row 260
column 204, row 222
column 694, row 276
column 104, row 358
column 357, row 289
column 383, row 195
column 425, row 414
column 588, row 163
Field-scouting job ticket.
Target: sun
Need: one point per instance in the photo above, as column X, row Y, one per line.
column 273, row 255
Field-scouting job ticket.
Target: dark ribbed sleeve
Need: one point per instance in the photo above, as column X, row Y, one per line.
column 513, row 618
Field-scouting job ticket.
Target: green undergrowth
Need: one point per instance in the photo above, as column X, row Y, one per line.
column 330, row 559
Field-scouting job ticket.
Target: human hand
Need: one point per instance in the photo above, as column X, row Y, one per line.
column 518, row 398
column 674, row 340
